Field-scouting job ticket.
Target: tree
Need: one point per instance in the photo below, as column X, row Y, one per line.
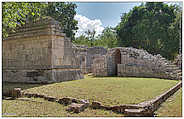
column 82, row 40
column 16, row 13
column 107, row 39
column 64, row 13
column 147, row 27
column 91, row 36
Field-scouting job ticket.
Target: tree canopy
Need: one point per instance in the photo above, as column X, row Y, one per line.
column 151, row 26
column 63, row 12
column 106, row 39
column 17, row 13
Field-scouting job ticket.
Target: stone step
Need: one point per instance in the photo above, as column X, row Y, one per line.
column 137, row 112
column 77, row 108
column 177, row 71
column 180, row 77
column 171, row 65
column 172, row 68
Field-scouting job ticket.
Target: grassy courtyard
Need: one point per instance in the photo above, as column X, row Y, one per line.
column 37, row 107
column 108, row 90
column 172, row 107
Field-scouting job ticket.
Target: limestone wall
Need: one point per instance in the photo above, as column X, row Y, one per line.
column 27, row 53
column 139, row 63
column 87, row 55
column 136, row 63
column 178, row 61
column 99, row 67
column 39, row 52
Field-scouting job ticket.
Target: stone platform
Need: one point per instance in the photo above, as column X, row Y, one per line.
column 39, row 52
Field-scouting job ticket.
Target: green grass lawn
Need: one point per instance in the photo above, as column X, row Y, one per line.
column 37, row 107
column 108, row 90
column 172, row 107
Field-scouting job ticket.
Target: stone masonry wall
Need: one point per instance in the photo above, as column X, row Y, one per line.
column 87, row 55
column 39, row 52
column 136, row 63
column 139, row 63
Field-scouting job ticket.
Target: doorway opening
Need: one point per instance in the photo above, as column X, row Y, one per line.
column 117, row 60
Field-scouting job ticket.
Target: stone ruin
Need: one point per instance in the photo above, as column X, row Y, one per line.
column 86, row 55
column 39, row 52
column 178, row 61
column 126, row 61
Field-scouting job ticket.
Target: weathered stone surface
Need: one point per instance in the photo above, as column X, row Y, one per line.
column 138, row 113
column 40, row 95
column 178, row 61
column 87, row 55
column 39, row 53
column 65, row 101
column 50, row 98
column 77, row 108
column 16, row 93
column 125, row 61
column 96, row 105
column 84, row 102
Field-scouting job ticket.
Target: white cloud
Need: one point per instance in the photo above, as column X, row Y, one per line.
column 85, row 24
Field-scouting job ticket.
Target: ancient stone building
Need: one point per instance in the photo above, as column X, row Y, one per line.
column 87, row 55
column 39, row 52
column 126, row 61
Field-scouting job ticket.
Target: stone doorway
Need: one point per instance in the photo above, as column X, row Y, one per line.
column 117, row 60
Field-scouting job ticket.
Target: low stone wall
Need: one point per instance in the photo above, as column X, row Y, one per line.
column 146, row 108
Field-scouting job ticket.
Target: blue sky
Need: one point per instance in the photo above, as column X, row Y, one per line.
column 108, row 13
column 98, row 15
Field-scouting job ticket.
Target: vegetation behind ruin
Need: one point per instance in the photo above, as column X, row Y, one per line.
column 152, row 26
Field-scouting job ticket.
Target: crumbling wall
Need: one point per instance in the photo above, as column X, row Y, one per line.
column 136, row 63
column 178, row 61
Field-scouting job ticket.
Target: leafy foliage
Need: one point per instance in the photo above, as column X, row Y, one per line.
column 107, row 39
column 150, row 26
column 16, row 13
column 64, row 13
column 82, row 40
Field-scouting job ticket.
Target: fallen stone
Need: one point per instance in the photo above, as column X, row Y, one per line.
column 138, row 113
column 27, row 94
column 84, row 101
column 40, row 96
column 96, row 105
column 65, row 101
column 8, row 98
column 16, row 93
column 76, row 108
column 50, row 98
column 106, row 107
column 74, row 100
column 119, row 109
